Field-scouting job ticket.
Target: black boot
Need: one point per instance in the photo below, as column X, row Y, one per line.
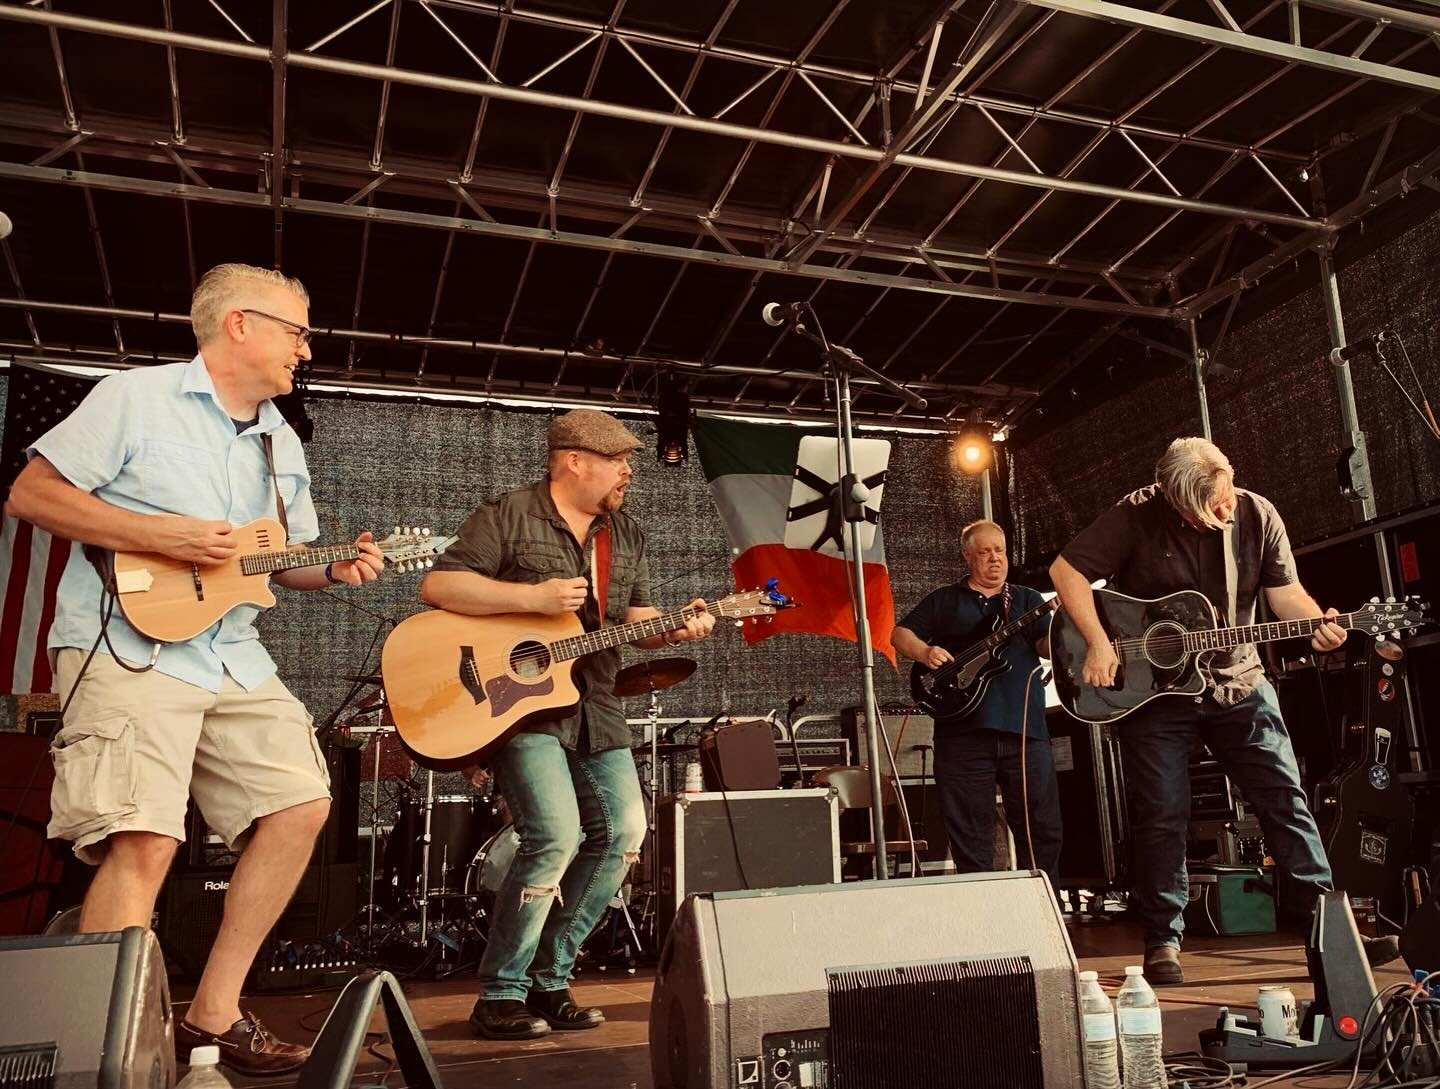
column 560, row 1011
column 506, row 1019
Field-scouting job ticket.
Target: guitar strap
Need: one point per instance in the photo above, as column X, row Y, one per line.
column 600, row 568
column 275, row 483
column 1231, row 577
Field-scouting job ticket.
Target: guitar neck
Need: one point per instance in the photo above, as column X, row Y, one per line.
column 996, row 638
column 577, row 646
column 267, row 563
column 1225, row 638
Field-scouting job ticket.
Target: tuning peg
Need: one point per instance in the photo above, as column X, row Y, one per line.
column 397, row 531
column 1391, row 600
column 739, row 623
column 429, row 562
column 425, row 532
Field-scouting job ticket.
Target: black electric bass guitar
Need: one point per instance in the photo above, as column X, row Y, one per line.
column 1163, row 646
column 956, row 688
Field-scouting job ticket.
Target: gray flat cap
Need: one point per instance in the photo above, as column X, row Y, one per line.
column 591, row 429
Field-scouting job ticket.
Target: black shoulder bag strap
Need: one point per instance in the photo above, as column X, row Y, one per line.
column 1231, row 576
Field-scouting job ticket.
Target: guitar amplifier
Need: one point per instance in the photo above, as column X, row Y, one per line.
column 912, row 736
column 815, row 753
column 740, row 756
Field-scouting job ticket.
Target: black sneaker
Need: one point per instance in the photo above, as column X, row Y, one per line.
column 506, row 1019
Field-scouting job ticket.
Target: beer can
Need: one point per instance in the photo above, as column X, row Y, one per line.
column 1278, row 1016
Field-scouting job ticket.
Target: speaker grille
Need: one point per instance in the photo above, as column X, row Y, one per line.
column 28, row 1066
column 920, row 1024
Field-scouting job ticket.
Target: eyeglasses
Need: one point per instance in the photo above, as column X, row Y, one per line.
column 301, row 334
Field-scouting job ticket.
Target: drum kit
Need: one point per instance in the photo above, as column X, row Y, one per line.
column 438, row 861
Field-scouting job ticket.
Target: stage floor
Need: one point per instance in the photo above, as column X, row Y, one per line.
column 1219, row 972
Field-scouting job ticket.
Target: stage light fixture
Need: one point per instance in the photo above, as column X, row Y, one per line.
column 974, row 449
column 672, row 426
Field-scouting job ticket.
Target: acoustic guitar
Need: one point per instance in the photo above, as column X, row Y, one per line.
column 458, row 686
column 1163, row 645
column 172, row 600
column 956, row 688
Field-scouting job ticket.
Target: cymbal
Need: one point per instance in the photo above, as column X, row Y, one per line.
column 652, row 675
column 363, row 678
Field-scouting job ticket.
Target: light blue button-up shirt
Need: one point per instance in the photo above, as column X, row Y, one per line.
column 158, row 441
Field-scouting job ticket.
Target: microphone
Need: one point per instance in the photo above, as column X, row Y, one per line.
column 5, row 226
column 1363, row 346
column 778, row 314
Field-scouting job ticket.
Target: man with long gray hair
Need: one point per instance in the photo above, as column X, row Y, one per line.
column 1156, row 541
column 170, row 459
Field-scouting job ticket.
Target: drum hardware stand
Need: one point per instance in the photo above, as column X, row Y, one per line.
column 424, row 897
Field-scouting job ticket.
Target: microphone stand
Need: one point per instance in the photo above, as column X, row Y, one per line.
column 841, row 363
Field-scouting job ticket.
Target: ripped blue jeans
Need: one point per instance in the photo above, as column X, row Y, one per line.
column 580, row 818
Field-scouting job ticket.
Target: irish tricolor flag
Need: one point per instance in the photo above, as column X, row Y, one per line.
column 749, row 468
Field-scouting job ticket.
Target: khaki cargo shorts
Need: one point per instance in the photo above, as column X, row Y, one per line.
column 134, row 746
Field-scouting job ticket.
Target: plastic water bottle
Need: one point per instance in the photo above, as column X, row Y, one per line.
column 694, row 778
column 1138, row 1011
column 1102, row 1062
column 205, row 1070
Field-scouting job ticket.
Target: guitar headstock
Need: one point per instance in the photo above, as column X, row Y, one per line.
column 412, row 548
column 1390, row 617
column 752, row 604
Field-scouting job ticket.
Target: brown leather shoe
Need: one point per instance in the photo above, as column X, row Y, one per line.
column 1162, row 966
column 247, row 1047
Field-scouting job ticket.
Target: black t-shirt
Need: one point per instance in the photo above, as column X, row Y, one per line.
column 1145, row 549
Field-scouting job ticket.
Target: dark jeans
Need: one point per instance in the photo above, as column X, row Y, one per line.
column 580, row 819
column 968, row 764
column 1251, row 743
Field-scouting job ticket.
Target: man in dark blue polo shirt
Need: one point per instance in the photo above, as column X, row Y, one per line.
column 1007, row 731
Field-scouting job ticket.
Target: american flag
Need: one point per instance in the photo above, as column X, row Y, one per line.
column 31, row 560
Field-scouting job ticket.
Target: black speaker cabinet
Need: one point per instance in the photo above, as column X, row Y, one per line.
column 752, row 839
column 86, row 1011
column 943, row 982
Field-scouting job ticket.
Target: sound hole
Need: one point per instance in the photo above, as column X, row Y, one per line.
column 529, row 660
column 1164, row 645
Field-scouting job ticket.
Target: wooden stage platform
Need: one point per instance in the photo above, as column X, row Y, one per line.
column 1219, row 972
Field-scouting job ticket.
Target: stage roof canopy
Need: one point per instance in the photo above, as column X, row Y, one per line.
column 990, row 199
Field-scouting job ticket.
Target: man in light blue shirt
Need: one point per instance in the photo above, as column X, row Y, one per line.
column 170, row 459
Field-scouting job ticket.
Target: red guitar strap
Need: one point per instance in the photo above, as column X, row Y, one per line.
column 600, row 568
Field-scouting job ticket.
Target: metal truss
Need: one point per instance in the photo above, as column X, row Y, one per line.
column 841, row 243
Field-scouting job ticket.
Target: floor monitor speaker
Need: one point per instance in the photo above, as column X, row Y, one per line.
column 937, row 982
column 86, row 1011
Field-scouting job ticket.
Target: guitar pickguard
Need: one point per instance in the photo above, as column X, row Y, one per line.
column 505, row 692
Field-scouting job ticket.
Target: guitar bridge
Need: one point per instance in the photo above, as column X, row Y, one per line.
column 199, row 586
column 470, row 675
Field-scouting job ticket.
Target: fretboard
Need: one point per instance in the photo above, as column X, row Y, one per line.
column 262, row 563
column 1224, row 638
column 563, row 650
column 996, row 638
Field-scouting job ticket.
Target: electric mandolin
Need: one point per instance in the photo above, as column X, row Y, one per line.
column 172, row 600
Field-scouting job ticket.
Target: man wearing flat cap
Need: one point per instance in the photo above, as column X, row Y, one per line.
column 560, row 545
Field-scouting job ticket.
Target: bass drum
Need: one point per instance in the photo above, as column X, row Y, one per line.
column 486, row 873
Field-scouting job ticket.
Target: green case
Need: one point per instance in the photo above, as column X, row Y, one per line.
column 1231, row 900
